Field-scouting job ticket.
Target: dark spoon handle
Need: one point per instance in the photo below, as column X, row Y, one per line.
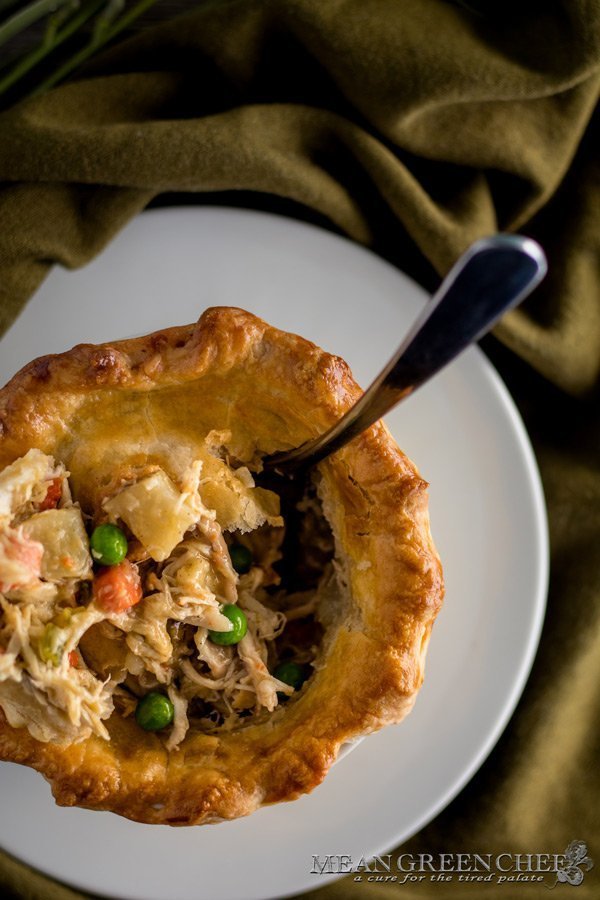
column 492, row 276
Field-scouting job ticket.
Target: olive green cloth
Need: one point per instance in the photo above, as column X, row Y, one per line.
column 414, row 126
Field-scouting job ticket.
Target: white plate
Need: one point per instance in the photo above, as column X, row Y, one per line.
column 488, row 520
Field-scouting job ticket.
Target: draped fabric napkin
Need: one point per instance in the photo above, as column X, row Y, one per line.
column 413, row 126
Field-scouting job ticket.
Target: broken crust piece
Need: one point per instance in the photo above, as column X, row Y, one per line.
column 115, row 414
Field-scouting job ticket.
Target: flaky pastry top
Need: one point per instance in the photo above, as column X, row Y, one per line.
column 113, row 413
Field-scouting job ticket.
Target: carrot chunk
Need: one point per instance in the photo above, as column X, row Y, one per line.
column 117, row 588
column 53, row 495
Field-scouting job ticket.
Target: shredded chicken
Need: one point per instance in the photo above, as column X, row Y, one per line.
column 77, row 700
column 180, row 719
column 68, row 657
column 265, row 685
column 217, row 658
column 20, row 560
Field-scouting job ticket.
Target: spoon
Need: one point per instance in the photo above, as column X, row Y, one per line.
column 491, row 277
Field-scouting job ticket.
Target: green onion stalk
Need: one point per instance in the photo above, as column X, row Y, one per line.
column 63, row 20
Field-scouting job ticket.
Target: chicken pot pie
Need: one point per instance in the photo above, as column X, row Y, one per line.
column 169, row 650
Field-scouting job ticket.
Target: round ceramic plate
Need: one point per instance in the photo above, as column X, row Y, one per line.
column 488, row 521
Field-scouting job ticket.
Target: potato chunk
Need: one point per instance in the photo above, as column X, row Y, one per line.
column 62, row 534
column 156, row 512
column 21, row 480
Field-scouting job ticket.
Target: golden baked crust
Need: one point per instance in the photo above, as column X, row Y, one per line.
column 111, row 410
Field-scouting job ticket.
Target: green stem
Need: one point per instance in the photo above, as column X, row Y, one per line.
column 26, row 17
column 53, row 38
column 99, row 38
column 107, row 16
column 129, row 17
column 57, row 20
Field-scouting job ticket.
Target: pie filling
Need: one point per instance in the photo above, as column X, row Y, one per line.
column 167, row 606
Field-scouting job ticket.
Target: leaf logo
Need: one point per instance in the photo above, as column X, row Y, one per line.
column 576, row 860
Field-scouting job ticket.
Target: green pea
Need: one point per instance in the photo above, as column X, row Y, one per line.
column 241, row 558
column 291, row 673
column 109, row 545
column 51, row 644
column 240, row 626
column 154, row 711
